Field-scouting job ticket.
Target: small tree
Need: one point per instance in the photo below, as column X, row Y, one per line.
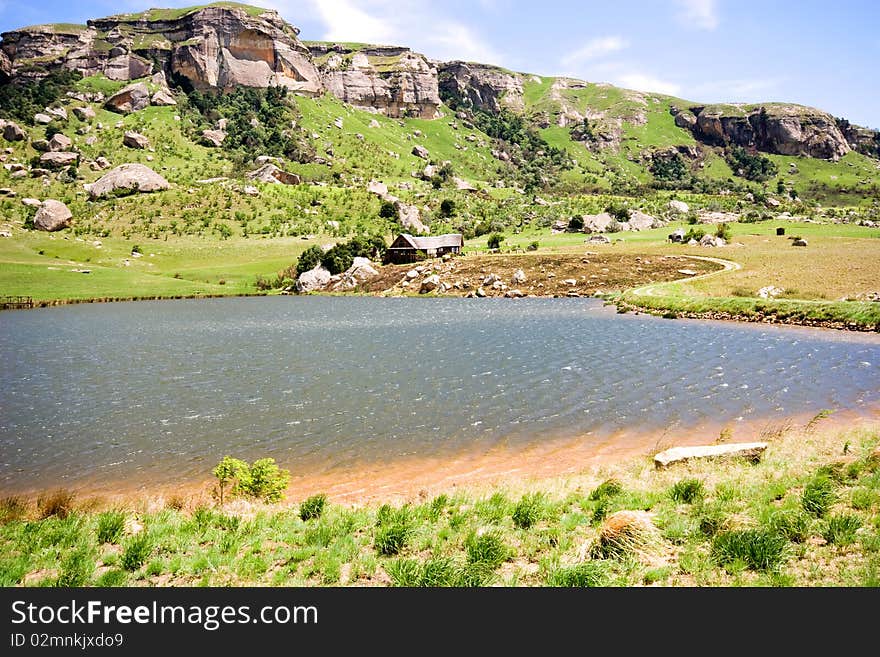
column 229, row 471
column 494, row 241
column 309, row 259
column 388, row 210
column 447, row 207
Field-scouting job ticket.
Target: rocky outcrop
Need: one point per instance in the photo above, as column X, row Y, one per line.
column 862, row 140
column 213, row 46
column 213, row 137
column 394, row 81
column 410, row 218
column 314, row 279
column 780, row 129
column 52, row 215
column 269, row 173
column 127, row 179
column 481, row 86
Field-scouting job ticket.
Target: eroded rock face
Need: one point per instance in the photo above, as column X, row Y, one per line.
column 127, row 178
column 394, row 81
column 52, row 215
column 780, row 129
column 481, row 86
column 213, row 46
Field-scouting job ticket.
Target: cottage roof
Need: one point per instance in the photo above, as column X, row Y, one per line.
column 430, row 243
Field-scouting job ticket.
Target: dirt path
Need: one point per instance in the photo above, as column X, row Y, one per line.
column 651, row 290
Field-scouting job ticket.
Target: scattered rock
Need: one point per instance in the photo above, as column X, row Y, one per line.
column 679, row 207
column 480, row 292
column 250, row 190
column 412, row 274
column 421, row 151
column 770, row 292
column 711, row 240
column 338, row 122
column 163, row 98
column 13, row 132
column 59, row 160
column 677, row 236
column 84, row 113
column 135, row 140
column 31, row 202
column 598, row 239
column 132, row 98
column 42, row 119
column 60, row 142
column 128, row 178
column 314, row 279
column 58, row 113
column 213, row 137
column 799, row 242
column 519, row 277
column 687, row 272
column 374, row 123
column 378, row 188
column 751, row 451
column 429, row 284
column 514, row 294
column 410, row 218
column 52, row 215
column 40, row 145
column 269, row 173
column 772, row 202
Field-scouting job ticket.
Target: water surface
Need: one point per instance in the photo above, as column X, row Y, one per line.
column 157, row 392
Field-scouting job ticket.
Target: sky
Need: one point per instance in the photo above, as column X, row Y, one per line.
column 801, row 51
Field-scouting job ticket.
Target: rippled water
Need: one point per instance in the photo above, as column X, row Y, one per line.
column 158, row 391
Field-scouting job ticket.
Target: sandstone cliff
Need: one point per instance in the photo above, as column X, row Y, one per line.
column 772, row 128
column 221, row 46
column 481, row 86
column 392, row 80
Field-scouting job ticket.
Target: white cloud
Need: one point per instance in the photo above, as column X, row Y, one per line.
column 596, row 48
column 344, row 20
column 736, row 90
column 453, row 40
column 700, row 14
column 644, row 82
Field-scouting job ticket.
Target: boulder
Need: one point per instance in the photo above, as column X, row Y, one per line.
column 57, row 113
column 771, row 202
column 13, row 132
column 269, row 173
column 135, row 140
column 519, row 277
column 59, row 160
column 430, row 284
column 799, row 242
column 127, row 178
column 52, row 215
column 678, row 207
column 598, row 239
column 31, row 202
column 677, row 236
column 770, row 292
column 463, row 185
column 361, row 270
column 162, row 98
column 60, row 142
column 751, row 451
column 250, row 190
column 640, row 221
column 410, row 218
column 421, row 151
column 314, row 279
column 514, row 294
column 40, row 145
column 711, row 240
column 378, row 188
column 213, row 137
column 132, row 98
column 42, row 119
column 84, row 113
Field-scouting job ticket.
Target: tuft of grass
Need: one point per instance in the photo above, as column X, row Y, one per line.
column 437, row 572
column 818, row 495
column 110, row 526
column 58, row 503
column 791, row 524
column 587, row 574
column 756, row 549
column 710, row 520
column 136, row 550
column 13, row 508
column 606, row 490
column 527, row 511
column 687, row 491
column 864, row 499
column 818, row 417
column 395, row 526
column 626, row 533
column 313, row 507
column 113, row 577
column 841, row 529
column 487, row 548
column 77, row 567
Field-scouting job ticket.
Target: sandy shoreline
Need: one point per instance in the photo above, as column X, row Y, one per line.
column 416, row 478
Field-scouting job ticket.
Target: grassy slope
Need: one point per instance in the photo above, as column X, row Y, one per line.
column 467, row 536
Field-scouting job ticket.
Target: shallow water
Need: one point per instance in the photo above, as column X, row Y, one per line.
column 158, row 392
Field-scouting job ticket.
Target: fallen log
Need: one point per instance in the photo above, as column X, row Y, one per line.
column 750, row 451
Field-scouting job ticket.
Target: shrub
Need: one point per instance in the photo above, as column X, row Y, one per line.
column 576, row 224
column 723, row 231
column 113, row 577
column 309, row 259
column 750, row 166
column 619, row 212
column 626, row 533
column 693, row 234
column 436, row 572
column 77, row 567
column 757, row 549
column 527, row 511
column 393, row 530
column 136, row 551
column 582, row 575
column 818, row 495
column 447, row 207
column 388, row 210
column 228, row 471
column 313, row 507
column 494, row 241
column 687, row 491
column 58, row 503
column 12, row 508
column 841, row 529
column 533, row 246
column 110, row 526
column 264, row 480
column 486, row 548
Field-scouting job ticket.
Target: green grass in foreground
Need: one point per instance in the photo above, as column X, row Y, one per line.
column 807, row 515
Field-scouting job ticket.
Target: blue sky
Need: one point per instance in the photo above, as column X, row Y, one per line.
column 808, row 51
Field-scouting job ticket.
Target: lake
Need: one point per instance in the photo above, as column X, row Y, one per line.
column 155, row 393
